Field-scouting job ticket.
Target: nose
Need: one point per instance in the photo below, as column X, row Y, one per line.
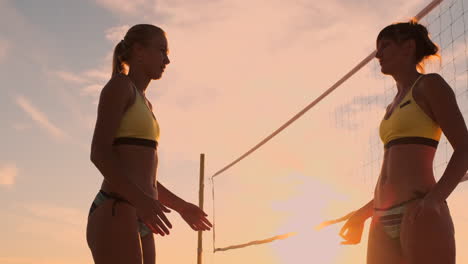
column 166, row 60
column 378, row 54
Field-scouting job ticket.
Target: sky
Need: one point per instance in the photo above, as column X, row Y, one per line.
column 239, row 70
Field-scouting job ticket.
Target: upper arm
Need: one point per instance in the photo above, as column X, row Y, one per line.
column 113, row 100
column 443, row 104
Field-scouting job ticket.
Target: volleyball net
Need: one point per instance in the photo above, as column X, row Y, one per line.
column 324, row 162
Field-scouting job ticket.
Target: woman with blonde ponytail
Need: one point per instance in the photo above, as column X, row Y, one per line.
column 132, row 204
column 121, row 51
column 411, row 221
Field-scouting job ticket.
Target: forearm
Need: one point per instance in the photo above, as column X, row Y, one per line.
column 167, row 198
column 455, row 171
column 367, row 210
column 114, row 174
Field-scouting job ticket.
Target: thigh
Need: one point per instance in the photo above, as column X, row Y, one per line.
column 149, row 249
column 381, row 249
column 114, row 239
column 430, row 238
column 143, row 229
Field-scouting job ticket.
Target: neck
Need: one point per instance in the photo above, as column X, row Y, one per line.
column 140, row 80
column 405, row 78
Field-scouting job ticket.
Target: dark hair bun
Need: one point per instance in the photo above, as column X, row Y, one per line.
column 425, row 46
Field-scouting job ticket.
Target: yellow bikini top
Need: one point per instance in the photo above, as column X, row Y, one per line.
column 409, row 124
column 138, row 125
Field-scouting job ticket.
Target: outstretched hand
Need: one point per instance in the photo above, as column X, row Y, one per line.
column 152, row 213
column 334, row 221
column 351, row 231
column 195, row 217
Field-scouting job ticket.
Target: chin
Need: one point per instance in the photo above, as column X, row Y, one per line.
column 157, row 76
column 385, row 71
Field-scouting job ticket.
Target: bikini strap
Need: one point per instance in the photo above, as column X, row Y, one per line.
column 414, row 84
column 117, row 199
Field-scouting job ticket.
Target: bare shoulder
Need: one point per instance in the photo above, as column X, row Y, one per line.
column 118, row 85
column 113, row 101
column 442, row 101
column 434, row 85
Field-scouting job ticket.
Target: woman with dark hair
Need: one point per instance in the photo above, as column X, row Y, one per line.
column 411, row 222
column 131, row 204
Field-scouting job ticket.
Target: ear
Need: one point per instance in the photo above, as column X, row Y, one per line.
column 137, row 50
column 409, row 46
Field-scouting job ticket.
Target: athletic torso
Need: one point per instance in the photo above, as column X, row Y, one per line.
column 135, row 144
column 410, row 135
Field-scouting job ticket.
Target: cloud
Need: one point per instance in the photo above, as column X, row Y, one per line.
column 92, row 89
column 115, row 34
column 97, row 74
column 101, row 74
column 70, row 77
column 180, row 12
column 40, row 118
column 8, row 174
column 93, row 80
column 124, row 7
column 192, row 13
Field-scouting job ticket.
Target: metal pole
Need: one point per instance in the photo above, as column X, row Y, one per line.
column 200, row 204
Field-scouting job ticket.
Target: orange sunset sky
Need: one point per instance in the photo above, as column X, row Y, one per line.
column 238, row 71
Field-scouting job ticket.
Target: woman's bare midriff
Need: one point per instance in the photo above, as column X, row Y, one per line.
column 140, row 164
column 406, row 171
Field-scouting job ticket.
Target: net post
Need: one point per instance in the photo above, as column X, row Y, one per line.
column 200, row 204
